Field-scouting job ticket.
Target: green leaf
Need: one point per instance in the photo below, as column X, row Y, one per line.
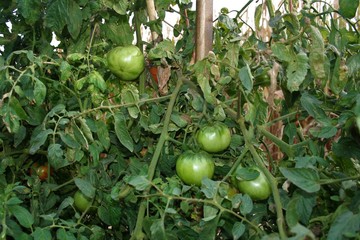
column 98, row 81
column 62, row 234
column 246, row 205
column 346, row 223
column 22, row 215
column 116, row 25
column 38, row 139
column 209, row 187
column 30, row 10
column 296, row 71
column 139, row 182
column 282, row 52
column 246, row 77
column 85, row 129
column 42, row 234
column 121, row 7
column 39, row 92
column 339, row 77
column 238, row 230
column 165, row 49
column 122, row 132
column 110, row 215
column 353, row 64
column 313, row 106
column 64, row 12
column 79, row 135
column 65, row 70
column 305, row 178
column 130, row 95
column 348, row 8
column 301, row 233
column 85, row 187
column 69, row 140
column 103, row 133
column 318, row 61
column 210, row 212
column 16, row 108
column 56, row 156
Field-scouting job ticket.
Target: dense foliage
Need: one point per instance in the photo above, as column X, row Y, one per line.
column 288, row 91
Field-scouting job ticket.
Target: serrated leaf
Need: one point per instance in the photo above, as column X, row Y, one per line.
column 65, row 70
column 130, row 95
column 69, row 140
column 246, row 77
column 103, row 134
column 296, row 71
column 62, row 234
column 110, row 215
column 79, row 136
column 15, row 107
column 210, row 212
column 305, row 178
column 23, row 216
column 339, row 76
column 313, row 106
column 30, row 10
column 39, row 92
column 38, row 140
column 56, row 156
column 41, row 234
column 85, row 129
column 64, row 12
column 139, row 182
column 85, row 187
column 116, row 25
column 282, row 52
column 208, row 187
column 238, row 230
column 122, row 132
column 246, row 205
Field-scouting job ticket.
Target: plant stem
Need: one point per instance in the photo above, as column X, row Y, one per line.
column 137, row 233
column 248, row 136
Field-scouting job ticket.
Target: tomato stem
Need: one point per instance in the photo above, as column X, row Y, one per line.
column 138, row 234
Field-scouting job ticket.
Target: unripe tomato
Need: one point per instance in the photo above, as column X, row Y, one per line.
column 258, row 188
column 192, row 167
column 214, row 137
column 42, row 171
column 81, row 201
column 126, row 62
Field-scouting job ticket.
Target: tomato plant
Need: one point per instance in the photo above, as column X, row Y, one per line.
column 258, row 188
column 126, row 62
column 192, row 167
column 214, row 137
column 286, row 84
column 41, row 170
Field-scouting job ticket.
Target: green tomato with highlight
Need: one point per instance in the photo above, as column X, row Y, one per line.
column 126, row 62
column 214, row 137
column 192, row 167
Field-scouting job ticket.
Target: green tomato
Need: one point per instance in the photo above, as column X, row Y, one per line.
column 126, row 62
column 81, row 201
column 214, row 137
column 258, row 188
column 192, row 167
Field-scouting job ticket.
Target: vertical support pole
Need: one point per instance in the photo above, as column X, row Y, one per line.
column 204, row 28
